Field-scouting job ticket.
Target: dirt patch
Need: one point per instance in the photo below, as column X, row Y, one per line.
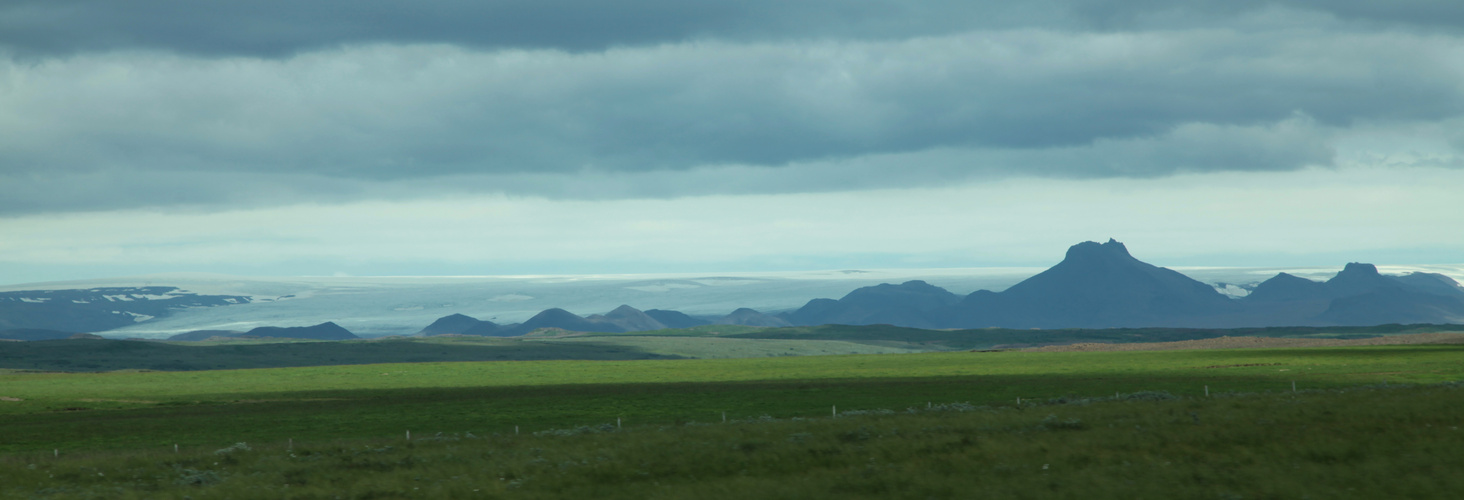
column 1259, row 342
column 8, row 398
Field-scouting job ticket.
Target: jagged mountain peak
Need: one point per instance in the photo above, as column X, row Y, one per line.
column 1097, row 285
column 1112, row 249
column 1358, row 269
column 1357, row 278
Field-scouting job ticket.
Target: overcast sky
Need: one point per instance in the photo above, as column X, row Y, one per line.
column 280, row 137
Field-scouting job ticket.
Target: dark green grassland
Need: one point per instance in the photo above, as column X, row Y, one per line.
column 1365, row 443
column 114, row 432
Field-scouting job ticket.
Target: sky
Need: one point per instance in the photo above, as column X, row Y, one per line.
column 443, row 137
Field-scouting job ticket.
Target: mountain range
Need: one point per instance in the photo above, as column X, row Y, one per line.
column 323, row 331
column 1100, row 285
column 1096, row 285
column 623, row 319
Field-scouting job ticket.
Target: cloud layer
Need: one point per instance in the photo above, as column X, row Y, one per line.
column 107, row 105
column 282, row 28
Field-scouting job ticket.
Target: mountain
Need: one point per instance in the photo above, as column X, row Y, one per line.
column 323, row 331
column 1357, row 279
column 674, row 319
column 907, row 304
column 458, row 324
column 562, row 319
column 1095, row 286
column 629, row 319
column 1436, row 284
column 749, row 317
column 1285, row 287
column 1357, row 296
column 623, row 319
column 1392, row 305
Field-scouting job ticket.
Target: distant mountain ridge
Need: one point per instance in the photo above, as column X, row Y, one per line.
column 1103, row 286
column 1095, row 286
column 620, row 320
column 324, row 331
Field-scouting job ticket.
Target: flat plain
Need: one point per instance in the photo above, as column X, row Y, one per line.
column 908, row 425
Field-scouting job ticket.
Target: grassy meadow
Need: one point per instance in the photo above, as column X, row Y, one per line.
column 142, row 409
column 1363, row 443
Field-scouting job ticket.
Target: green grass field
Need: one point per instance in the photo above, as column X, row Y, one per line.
column 1362, row 443
column 117, row 410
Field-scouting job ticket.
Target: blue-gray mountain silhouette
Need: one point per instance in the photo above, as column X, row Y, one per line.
column 459, row 324
column 749, row 317
column 1103, row 286
column 1095, row 286
column 324, row 331
column 622, row 319
column 561, row 319
column 1359, row 295
column 674, row 319
column 629, row 319
column 905, row 304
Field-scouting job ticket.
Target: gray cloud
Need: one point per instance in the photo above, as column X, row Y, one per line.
column 1190, row 148
column 388, row 111
column 280, row 28
column 752, row 98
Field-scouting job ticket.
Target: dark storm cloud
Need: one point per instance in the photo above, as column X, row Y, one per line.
column 278, row 28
